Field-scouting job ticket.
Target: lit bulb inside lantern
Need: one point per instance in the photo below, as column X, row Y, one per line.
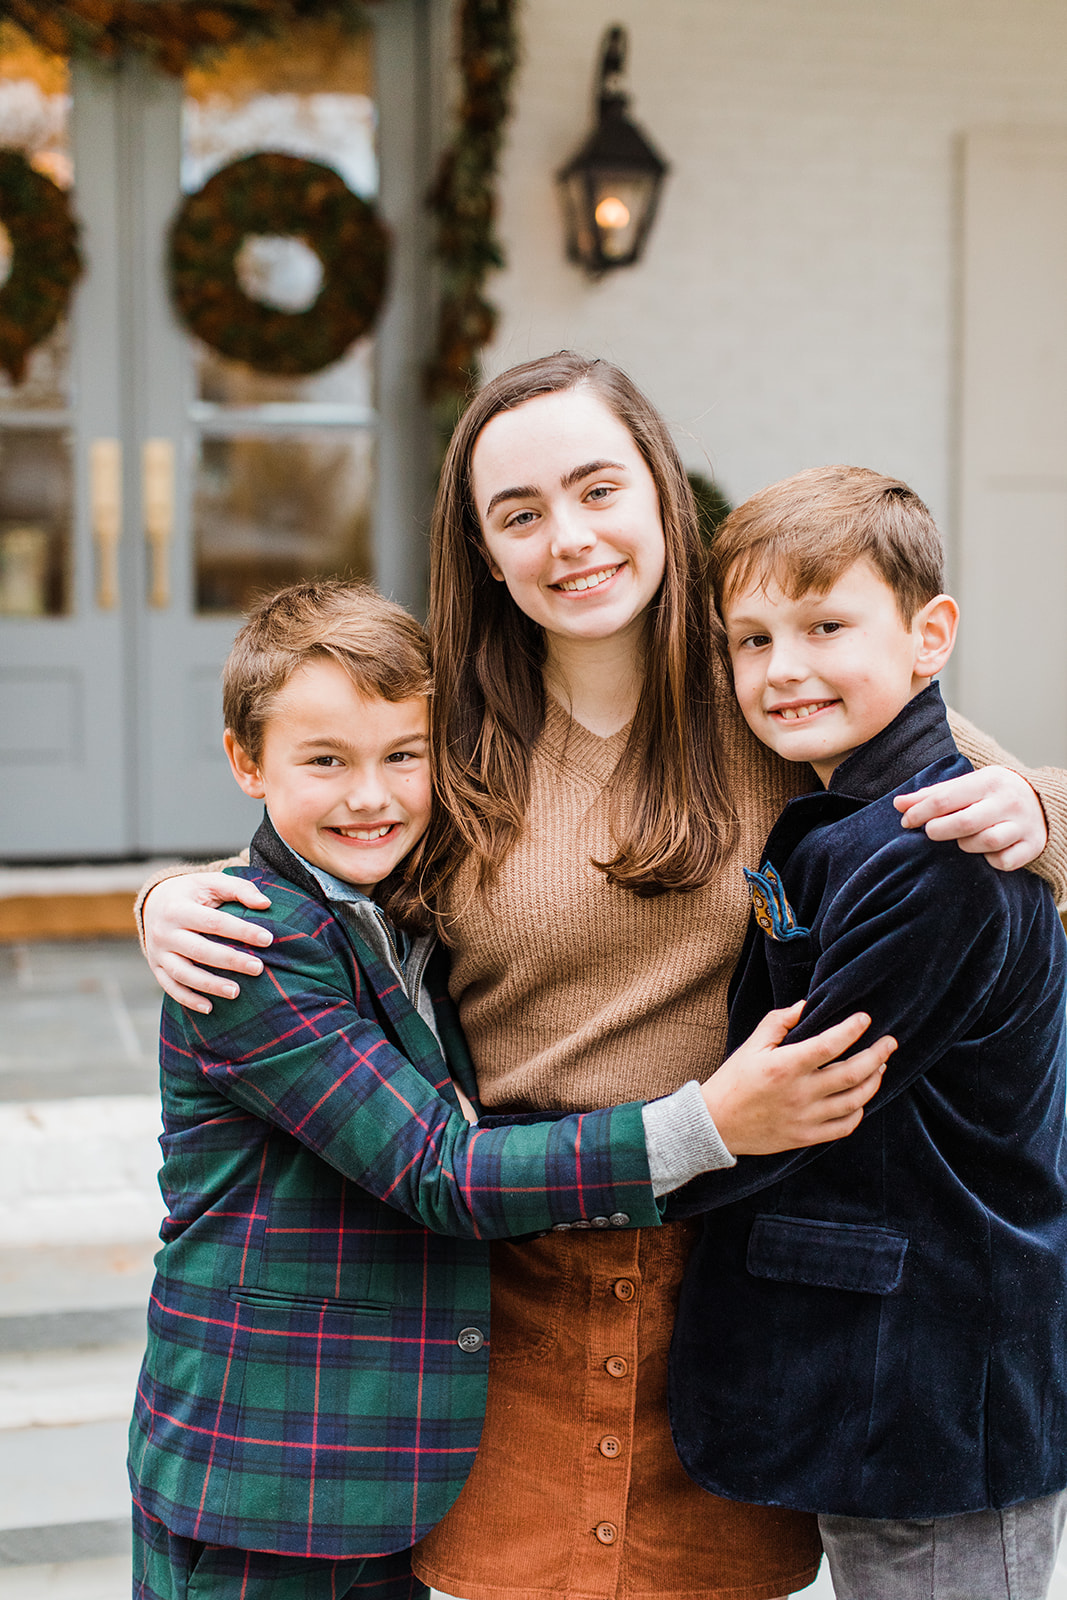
column 612, row 213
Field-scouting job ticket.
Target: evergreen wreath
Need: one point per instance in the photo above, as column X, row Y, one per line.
column 45, row 261
column 273, row 193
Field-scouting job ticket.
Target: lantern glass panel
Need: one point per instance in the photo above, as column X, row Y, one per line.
column 621, row 203
column 582, row 241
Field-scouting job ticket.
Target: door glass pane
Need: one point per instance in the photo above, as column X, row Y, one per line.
column 272, row 505
column 35, row 118
column 275, row 509
column 35, row 502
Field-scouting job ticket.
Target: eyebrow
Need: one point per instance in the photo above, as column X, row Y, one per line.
column 525, row 491
column 330, row 741
column 528, row 491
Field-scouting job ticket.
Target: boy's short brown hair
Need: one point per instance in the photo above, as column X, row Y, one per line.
column 382, row 648
column 808, row 529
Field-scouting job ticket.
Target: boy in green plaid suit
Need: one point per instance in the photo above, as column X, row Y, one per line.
column 314, row 1385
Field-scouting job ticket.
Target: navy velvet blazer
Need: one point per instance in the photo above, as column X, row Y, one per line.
column 878, row 1327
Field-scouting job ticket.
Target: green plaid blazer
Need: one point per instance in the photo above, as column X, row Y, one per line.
column 317, row 1357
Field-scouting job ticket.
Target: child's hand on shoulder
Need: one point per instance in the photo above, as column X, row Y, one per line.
column 771, row 1096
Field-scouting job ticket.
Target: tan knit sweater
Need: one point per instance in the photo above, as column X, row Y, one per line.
column 575, row 994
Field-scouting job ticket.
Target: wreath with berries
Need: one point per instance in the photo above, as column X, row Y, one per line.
column 45, row 260
column 274, row 193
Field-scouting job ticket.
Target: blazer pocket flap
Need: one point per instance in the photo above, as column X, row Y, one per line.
column 829, row 1255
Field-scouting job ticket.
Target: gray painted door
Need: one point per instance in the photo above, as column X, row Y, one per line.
column 111, row 711
column 64, row 717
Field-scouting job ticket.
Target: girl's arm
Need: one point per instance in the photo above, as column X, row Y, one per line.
column 180, row 930
column 1014, row 815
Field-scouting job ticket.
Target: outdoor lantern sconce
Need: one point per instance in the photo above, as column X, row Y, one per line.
column 611, row 187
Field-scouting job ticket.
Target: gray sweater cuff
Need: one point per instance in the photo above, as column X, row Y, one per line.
column 682, row 1139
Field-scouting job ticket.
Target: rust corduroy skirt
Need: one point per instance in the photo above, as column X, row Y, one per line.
column 576, row 1489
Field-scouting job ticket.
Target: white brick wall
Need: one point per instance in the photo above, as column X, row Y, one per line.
column 797, row 303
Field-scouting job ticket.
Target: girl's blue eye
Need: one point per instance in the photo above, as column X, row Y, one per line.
column 521, row 519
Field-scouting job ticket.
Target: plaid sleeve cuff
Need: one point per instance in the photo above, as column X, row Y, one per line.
column 682, row 1139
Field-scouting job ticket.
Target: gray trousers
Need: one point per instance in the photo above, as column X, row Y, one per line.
column 982, row 1555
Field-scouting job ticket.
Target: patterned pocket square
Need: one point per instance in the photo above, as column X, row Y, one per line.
column 773, row 911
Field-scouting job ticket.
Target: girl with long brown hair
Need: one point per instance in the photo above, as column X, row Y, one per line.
column 600, row 794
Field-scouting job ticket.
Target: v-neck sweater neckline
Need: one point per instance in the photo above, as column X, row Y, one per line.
column 576, row 749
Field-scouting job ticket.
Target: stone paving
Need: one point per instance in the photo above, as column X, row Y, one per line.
column 77, row 1019
column 79, row 1210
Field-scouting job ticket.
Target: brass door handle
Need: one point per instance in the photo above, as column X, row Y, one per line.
column 105, row 497
column 157, row 482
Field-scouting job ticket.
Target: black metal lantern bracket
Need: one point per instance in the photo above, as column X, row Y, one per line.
column 611, row 186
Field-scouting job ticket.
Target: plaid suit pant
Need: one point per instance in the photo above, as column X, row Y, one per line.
column 167, row 1566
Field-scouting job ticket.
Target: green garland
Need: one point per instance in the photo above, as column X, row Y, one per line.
column 174, row 33
column 463, row 199
column 45, row 262
column 273, row 193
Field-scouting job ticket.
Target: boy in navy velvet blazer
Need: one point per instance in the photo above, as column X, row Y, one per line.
column 877, row 1331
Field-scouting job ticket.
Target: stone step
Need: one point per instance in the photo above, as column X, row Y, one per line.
column 64, row 1416
column 63, row 1492
column 70, row 901
column 79, row 1172
column 64, row 1388
column 76, row 1330
column 40, row 1283
column 78, row 1020
column 105, row 1578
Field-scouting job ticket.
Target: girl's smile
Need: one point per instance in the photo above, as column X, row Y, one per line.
column 570, row 515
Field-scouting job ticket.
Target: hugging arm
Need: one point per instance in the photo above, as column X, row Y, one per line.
column 1014, row 815
column 181, row 925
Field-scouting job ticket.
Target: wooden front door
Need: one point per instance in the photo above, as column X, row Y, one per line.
column 150, row 488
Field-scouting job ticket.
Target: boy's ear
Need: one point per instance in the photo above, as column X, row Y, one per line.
column 244, row 769
column 935, row 632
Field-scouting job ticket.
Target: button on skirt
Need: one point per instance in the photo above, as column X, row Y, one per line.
column 576, row 1489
